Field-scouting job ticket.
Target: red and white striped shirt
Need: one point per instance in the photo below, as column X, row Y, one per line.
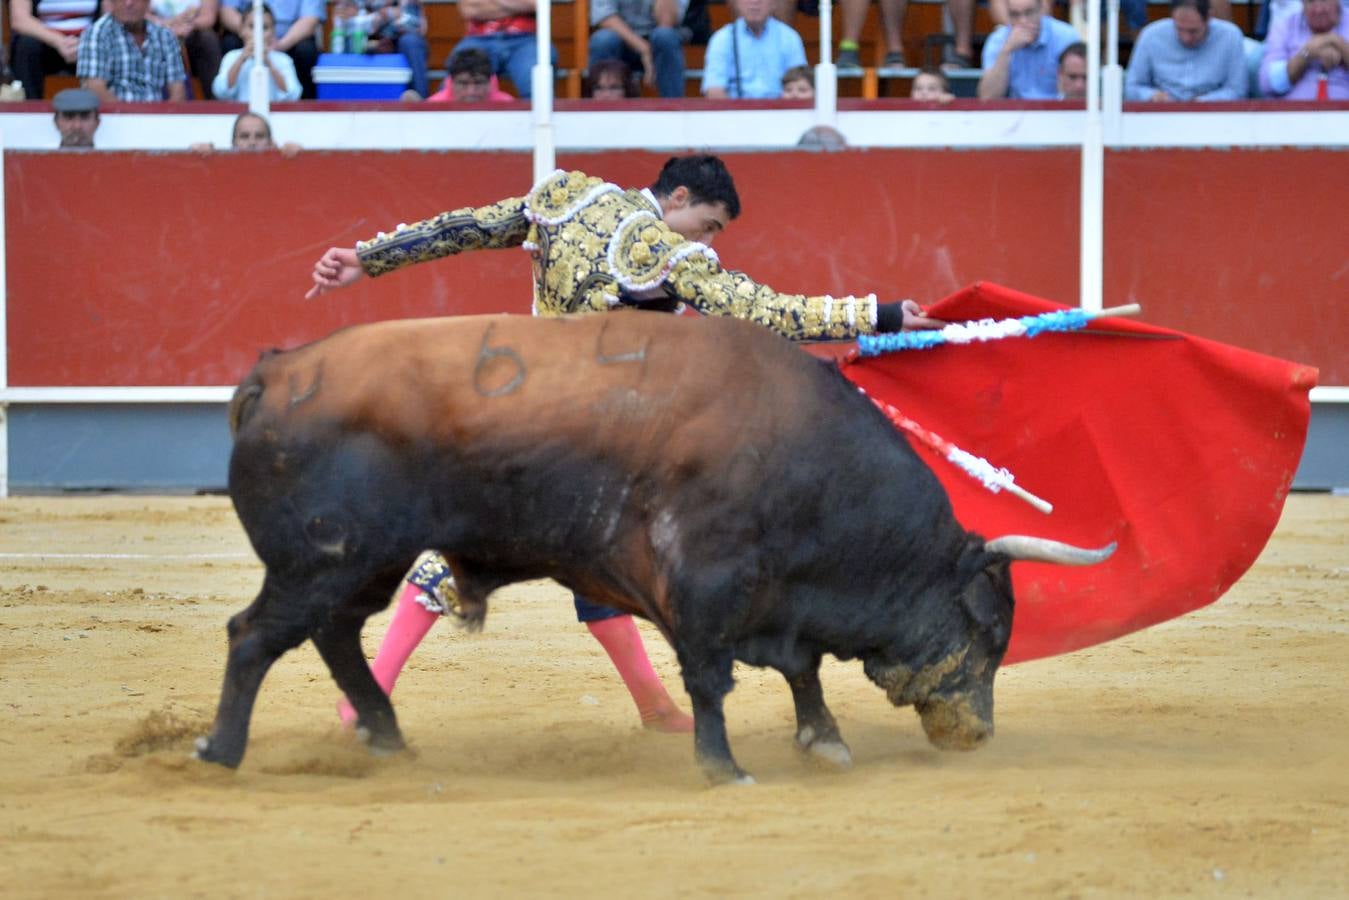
column 66, row 16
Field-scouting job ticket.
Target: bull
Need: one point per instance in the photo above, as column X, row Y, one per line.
column 702, row 473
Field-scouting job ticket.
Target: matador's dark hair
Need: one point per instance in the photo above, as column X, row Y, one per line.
column 704, row 175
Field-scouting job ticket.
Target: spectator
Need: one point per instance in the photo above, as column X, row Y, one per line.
column 234, row 81
column 76, row 117
column 46, row 38
column 645, row 35
column 931, row 86
column 251, row 134
column 1306, row 54
column 471, row 80
column 398, row 26
column 504, row 29
column 611, row 79
column 1133, row 14
column 1187, row 57
column 193, row 23
column 747, row 58
column 892, row 23
column 1271, row 11
column 1073, row 72
column 1021, row 59
column 823, row 137
column 798, row 83
column 124, row 56
column 298, row 22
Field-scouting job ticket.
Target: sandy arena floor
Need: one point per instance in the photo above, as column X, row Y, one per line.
column 1205, row 757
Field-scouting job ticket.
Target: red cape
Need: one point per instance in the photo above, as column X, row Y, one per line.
column 1180, row 449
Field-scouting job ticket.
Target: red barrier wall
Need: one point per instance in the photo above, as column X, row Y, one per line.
column 163, row 269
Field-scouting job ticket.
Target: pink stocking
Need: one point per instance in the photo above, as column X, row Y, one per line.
column 411, row 622
column 620, row 639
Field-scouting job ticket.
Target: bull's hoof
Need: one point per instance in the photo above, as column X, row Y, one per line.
column 828, row 750
column 206, row 751
column 718, row 775
column 385, row 744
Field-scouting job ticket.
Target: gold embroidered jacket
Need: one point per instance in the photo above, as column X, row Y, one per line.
column 596, row 246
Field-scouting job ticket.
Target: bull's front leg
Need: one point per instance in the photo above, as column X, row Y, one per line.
column 257, row 637
column 339, row 644
column 816, row 731
column 707, row 678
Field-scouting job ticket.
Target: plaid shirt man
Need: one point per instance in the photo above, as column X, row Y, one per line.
column 136, row 74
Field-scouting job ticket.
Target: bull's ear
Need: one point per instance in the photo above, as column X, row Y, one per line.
column 987, row 598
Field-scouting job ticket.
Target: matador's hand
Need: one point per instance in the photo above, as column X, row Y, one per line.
column 337, row 268
column 915, row 319
column 904, row 315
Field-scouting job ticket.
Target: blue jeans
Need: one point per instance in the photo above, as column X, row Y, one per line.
column 667, row 55
column 592, row 612
column 413, row 46
column 513, row 55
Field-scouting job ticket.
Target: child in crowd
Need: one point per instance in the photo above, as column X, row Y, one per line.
column 798, row 83
column 931, row 85
column 234, row 81
column 611, row 79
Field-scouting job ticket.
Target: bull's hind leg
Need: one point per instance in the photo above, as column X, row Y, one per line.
column 816, row 731
column 338, row 641
column 707, row 678
column 258, row 636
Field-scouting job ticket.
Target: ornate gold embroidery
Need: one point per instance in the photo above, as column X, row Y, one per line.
column 590, row 239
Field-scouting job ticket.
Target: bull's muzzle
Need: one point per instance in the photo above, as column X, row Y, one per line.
column 955, row 723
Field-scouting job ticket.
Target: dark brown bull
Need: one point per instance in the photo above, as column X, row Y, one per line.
column 702, row 473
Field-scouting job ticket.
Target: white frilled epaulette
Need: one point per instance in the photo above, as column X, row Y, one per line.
column 643, row 252
column 562, row 195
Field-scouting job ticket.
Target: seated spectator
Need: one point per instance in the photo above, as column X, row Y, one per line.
column 798, row 83
column 193, row 23
column 107, row 68
column 931, row 86
column 504, row 30
column 1073, row 72
column 645, row 35
column 1133, row 14
column 1021, row 59
column 46, row 38
column 398, row 26
column 1272, row 11
column 1189, row 56
column 823, row 137
column 234, row 81
column 470, row 80
column 892, row 24
column 747, row 58
column 1307, row 54
column 611, row 79
column 76, row 117
column 251, row 133
column 299, row 24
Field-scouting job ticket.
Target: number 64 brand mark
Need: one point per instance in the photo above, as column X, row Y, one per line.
column 493, row 359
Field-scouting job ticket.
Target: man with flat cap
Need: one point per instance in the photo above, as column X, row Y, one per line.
column 76, row 117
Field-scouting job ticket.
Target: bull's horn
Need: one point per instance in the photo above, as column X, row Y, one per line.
column 1034, row 549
